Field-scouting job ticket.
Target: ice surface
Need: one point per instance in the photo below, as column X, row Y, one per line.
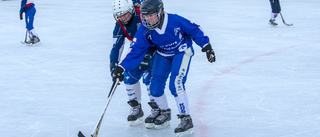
column 265, row 82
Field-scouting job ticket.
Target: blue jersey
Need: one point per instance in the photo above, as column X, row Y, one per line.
column 119, row 37
column 26, row 5
column 175, row 36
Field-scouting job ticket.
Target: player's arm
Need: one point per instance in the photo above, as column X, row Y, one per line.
column 136, row 54
column 195, row 32
column 117, row 47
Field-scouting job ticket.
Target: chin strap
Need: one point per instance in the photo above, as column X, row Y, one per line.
column 124, row 30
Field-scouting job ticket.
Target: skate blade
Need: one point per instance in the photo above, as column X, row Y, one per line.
column 273, row 25
column 150, row 125
column 187, row 132
column 32, row 45
column 36, row 44
column 164, row 125
column 136, row 122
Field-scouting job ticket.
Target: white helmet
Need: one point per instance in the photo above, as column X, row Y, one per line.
column 121, row 7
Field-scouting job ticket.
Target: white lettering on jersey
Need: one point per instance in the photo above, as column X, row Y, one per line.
column 176, row 31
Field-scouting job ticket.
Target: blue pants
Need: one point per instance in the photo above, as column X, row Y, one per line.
column 29, row 17
column 178, row 65
column 133, row 76
column 275, row 6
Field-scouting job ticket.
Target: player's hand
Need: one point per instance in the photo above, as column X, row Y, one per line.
column 210, row 53
column 145, row 64
column 21, row 17
column 112, row 67
column 118, row 73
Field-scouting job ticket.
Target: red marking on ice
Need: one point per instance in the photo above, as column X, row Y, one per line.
column 201, row 127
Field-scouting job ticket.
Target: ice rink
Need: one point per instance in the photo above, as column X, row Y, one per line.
column 265, row 82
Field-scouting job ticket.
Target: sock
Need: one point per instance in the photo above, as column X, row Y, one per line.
column 182, row 103
column 162, row 102
column 134, row 91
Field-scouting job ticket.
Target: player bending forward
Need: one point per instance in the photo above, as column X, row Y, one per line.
column 172, row 35
column 127, row 22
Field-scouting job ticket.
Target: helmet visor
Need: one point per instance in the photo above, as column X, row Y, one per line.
column 150, row 19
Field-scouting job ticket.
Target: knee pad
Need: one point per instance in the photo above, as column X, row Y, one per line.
column 132, row 76
column 157, row 85
column 129, row 79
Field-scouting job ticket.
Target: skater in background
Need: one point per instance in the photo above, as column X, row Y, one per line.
column 275, row 6
column 127, row 22
column 28, row 7
column 172, row 35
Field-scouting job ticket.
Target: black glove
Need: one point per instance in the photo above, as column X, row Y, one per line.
column 210, row 53
column 145, row 64
column 112, row 68
column 118, row 73
column 21, row 17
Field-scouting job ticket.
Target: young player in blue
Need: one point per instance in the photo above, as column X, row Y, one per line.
column 128, row 21
column 275, row 6
column 28, row 7
column 173, row 36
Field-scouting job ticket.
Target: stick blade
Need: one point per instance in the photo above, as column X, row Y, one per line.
column 80, row 134
column 288, row 24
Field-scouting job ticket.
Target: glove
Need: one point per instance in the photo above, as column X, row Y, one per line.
column 21, row 17
column 118, row 73
column 210, row 53
column 145, row 64
column 112, row 67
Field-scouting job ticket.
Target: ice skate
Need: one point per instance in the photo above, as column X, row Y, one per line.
column 33, row 41
column 136, row 113
column 272, row 22
column 29, row 42
column 185, row 127
column 155, row 111
column 163, row 120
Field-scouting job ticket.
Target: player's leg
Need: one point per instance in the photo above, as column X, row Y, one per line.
column 132, row 83
column 179, row 72
column 160, row 72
